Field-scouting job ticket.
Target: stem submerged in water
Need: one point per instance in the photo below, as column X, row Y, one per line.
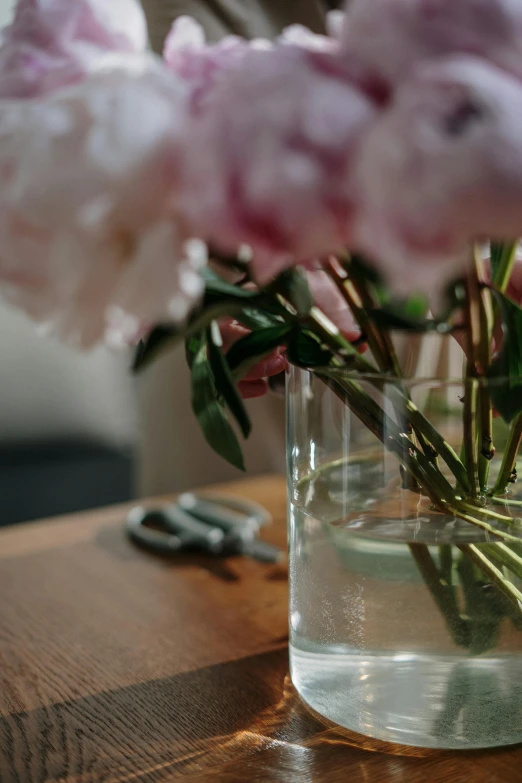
column 420, row 461
column 508, row 466
column 443, row 593
column 478, row 556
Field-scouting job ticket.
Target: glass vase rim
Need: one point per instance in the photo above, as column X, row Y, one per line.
column 411, row 380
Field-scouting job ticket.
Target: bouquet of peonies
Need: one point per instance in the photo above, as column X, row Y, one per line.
column 309, row 190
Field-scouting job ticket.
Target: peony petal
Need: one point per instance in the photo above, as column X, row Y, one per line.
column 91, row 244
column 52, row 43
column 388, row 38
column 274, row 173
column 299, row 35
column 335, row 23
column 440, row 170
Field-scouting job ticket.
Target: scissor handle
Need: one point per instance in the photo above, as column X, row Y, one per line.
column 211, row 523
column 155, row 540
column 178, row 530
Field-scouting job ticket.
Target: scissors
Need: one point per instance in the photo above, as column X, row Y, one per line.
column 217, row 524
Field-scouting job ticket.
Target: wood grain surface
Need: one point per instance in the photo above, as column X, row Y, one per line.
column 116, row 665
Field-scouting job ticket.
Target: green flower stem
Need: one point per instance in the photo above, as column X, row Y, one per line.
column 500, row 280
column 484, row 347
column 502, row 274
column 487, row 450
column 446, row 563
column 429, row 475
column 353, row 299
column 425, row 472
column 360, row 303
column 355, row 401
column 506, row 502
column 443, row 594
column 466, row 513
column 475, row 553
column 438, row 489
column 356, row 295
column 345, row 354
column 470, row 435
column 483, row 609
column 343, row 351
column 504, row 556
column 510, row 457
column 434, row 483
column 479, row 332
column 390, row 355
column 443, row 448
column 487, row 512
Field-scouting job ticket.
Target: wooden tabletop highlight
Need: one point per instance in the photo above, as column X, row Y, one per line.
column 118, row 665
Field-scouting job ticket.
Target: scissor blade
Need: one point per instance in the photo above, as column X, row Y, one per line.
column 215, row 514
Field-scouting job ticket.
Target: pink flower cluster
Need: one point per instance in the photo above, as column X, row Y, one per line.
column 398, row 135
column 270, row 151
column 442, row 168
column 91, row 243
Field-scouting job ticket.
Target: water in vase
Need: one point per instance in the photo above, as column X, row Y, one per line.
column 384, row 646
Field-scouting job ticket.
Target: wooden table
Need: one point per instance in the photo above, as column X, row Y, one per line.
column 116, row 665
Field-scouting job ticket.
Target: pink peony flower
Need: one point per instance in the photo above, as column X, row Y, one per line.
column 187, row 53
column 441, row 169
column 199, row 65
column 269, row 161
column 52, row 43
column 387, row 38
column 90, row 243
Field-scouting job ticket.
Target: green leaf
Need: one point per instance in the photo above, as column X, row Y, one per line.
column 191, row 349
column 224, row 381
column 164, row 338
column 507, row 396
column 252, row 309
column 360, row 267
column 415, row 306
column 252, row 318
column 293, row 284
column 304, row 349
column 215, row 286
column 496, row 253
column 255, row 346
column 161, row 338
column 210, row 413
column 397, row 320
column 408, row 315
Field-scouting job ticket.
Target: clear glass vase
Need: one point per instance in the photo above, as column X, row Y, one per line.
column 395, row 631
